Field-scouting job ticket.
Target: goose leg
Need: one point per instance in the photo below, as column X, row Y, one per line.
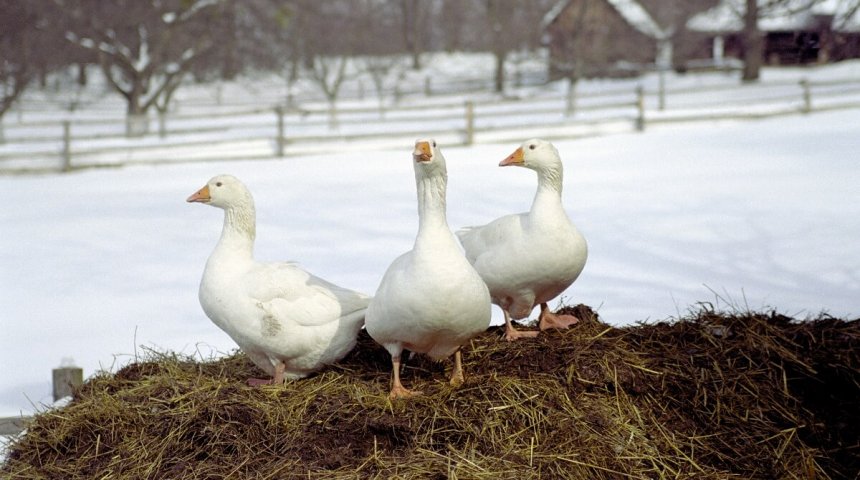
column 553, row 320
column 512, row 333
column 457, row 377
column 267, row 364
column 397, row 388
column 277, row 378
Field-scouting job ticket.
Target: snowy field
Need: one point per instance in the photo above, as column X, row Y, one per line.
column 99, row 264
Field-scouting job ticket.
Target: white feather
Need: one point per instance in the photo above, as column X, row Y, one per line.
column 430, row 299
column 529, row 258
column 275, row 312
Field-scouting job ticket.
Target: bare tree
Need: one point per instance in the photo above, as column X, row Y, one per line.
column 144, row 47
column 328, row 56
column 329, row 73
column 580, row 49
column 414, row 16
column 296, row 44
column 16, row 30
column 28, row 50
column 511, row 25
column 383, row 70
column 499, row 23
column 251, row 35
column 851, row 8
column 753, row 42
column 454, row 11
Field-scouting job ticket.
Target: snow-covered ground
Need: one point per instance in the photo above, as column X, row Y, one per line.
column 99, row 264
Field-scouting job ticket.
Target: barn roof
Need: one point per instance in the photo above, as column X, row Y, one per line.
column 635, row 14
column 631, row 10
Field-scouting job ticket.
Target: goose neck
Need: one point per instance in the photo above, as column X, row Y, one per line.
column 431, row 202
column 549, row 188
column 239, row 230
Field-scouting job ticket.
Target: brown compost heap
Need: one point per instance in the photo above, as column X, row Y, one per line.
column 712, row 395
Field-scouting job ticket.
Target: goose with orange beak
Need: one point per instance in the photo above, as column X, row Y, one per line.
column 430, row 299
column 289, row 322
column 528, row 259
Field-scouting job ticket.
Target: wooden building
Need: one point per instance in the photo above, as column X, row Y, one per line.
column 598, row 38
column 794, row 33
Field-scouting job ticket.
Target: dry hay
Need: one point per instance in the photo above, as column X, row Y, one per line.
column 711, row 396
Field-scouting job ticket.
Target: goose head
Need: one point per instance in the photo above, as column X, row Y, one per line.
column 428, row 158
column 229, row 194
column 223, row 191
column 535, row 154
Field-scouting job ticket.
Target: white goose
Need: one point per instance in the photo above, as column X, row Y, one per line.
column 430, row 299
column 289, row 322
column 529, row 258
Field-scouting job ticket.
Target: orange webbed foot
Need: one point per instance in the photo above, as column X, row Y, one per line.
column 552, row 320
column 258, row 382
column 402, row 393
column 512, row 334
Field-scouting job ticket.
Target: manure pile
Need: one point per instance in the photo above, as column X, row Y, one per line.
column 748, row 396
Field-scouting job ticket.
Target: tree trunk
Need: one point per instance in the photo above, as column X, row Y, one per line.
column 753, row 43
column 411, row 22
column 136, row 121
column 136, row 125
column 500, row 70
column 230, row 65
column 82, row 74
column 570, row 103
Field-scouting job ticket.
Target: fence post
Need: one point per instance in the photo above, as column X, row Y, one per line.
column 428, row 90
column 807, row 96
column 470, row 122
column 67, row 146
column 640, row 108
column 66, row 380
column 279, row 142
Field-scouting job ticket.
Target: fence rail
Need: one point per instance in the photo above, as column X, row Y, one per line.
column 273, row 132
column 66, row 380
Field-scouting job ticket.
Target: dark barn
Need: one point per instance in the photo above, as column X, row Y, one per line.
column 821, row 33
column 594, row 38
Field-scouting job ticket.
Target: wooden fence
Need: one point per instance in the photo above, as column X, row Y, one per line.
column 65, row 381
column 229, row 132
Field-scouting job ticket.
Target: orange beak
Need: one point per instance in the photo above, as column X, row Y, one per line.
column 515, row 158
column 422, row 152
column 201, row 195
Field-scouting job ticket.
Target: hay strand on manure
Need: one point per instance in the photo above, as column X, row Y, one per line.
column 740, row 395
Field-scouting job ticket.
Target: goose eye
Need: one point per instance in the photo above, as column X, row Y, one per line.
column 532, row 147
column 218, row 184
